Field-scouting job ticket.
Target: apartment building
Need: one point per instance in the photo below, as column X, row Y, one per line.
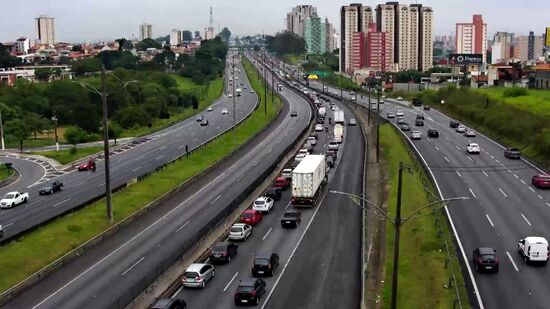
column 471, row 38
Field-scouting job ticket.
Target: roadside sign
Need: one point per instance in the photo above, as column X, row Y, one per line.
column 465, row 59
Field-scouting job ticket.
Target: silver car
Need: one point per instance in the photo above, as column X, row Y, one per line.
column 333, row 145
column 197, row 275
column 240, row 231
column 352, row 122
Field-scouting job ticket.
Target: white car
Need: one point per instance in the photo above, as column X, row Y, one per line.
column 240, row 231
column 399, row 98
column 473, row 148
column 334, row 107
column 1, row 232
column 224, row 111
column 287, row 173
column 399, row 113
column 319, row 127
column 391, row 115
column 230, row 95
column 333, row 145
column 416, row 135
column 534, row 249
column 299, row 157
column 210, row 108
column 12, row 199
column 461, row 129
column 470, row 133
column 352, row 122
column 263, row 204
column 312, row 140
column 303, row 151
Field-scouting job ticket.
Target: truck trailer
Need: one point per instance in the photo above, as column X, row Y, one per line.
column 307, row 180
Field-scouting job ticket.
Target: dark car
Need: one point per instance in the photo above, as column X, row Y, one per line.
column 293, row 114
column 51, row 188
column 454, row 124
column 512, row 153
column 274, row 193
column 200, row 118
column 330, row 161
column 419, row 123
column 485, row 259
column 321, row 120
column 265, row 264
column 333, row 154
column 249, row 291
column 169, row 303
column 204, row 122
column 222, row 252
column 426, row 108
column 291, row 218
column 405, row 127
column 433, row 133
column 419, row 117
column 541, row 181
column 294, row 164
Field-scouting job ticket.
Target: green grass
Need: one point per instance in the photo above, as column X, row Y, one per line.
column 293, row 59
column 65, row 156
column 537, row 101
column 37, row 249
column 5, row 172
column 422, row 271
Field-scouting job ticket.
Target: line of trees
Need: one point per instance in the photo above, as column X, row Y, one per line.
column 286, row 43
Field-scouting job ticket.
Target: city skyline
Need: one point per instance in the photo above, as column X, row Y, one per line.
column 95, row 19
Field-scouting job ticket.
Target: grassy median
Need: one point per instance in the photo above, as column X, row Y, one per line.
column 65, row 156
column 39, row 248
column 422, row 255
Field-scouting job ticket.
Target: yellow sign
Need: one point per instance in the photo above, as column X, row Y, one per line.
column 548, row 36
column 313, row 77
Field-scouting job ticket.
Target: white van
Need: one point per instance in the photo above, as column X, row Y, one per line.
column 534, row 249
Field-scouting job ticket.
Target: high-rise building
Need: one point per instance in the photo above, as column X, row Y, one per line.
column 22, row 46
column 209, row 33
column 529, row 47
column 378, row 50
column 358, row 51
column 410, row 29
column 353, row 18
column 46, row 30
column 471, row 38
column 175, row 37
column 315, row 36
column 145, row 31
column 296, row 19
column 329, row 36
column 502, row 47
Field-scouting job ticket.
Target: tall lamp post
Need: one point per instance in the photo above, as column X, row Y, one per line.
column 54, row 119
column 104, row 94
column 397, row 222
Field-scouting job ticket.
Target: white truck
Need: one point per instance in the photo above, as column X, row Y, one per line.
column 238, row 91
column 307, row 180
column 353, row 96
column 339, row 116
column 12, row 199
column 322, row 112
column 338, row 133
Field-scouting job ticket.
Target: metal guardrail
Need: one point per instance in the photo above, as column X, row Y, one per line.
column 9, row 294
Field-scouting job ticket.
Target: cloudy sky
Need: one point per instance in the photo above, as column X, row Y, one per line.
column 90, row 20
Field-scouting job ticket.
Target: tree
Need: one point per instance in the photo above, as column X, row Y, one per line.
column 163, row 39
column 84, row 66
column 6, row 59
column 43, row 74
column 115, row 130
column 225, row 34
column 187, row 36
column 36, row 123
column 75, row 135
column 121, row 43
column 286, row 43
column 147, row 43
column 18, row 130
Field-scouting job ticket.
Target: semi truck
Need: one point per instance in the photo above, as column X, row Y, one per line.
column 339, row 116
column 308, row 179
column 338, row 133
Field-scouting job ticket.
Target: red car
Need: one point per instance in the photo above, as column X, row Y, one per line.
column 282, row 182
column 90, row 165
column 541, row 181
column 251, row 217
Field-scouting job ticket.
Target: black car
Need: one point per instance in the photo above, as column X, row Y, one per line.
column 223, row 251
column 293, row 114
column 405, row 127
column 265, row 264
column 274, row 193
column 321, row 120
column 454, row 124
column 170, row 303
column 51, row 188
column 249, row 291
column 200, row 118
column 330, row 161
column 419, row 117
column 512, row 153
column 333, row 154
column 291, row 218
column 433, row 133
column 419, row 123
column 294, row 164
column 204, row 123
column 485, row 259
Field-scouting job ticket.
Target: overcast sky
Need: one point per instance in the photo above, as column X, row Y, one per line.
column 90, row 20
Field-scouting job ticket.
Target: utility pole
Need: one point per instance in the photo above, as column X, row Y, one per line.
column 265, row 85
column 369, row 84
column 54, row 119
column 397, row 226
column 341, row 90
column 106, row 147
column 2, row 131
column 378, row 127
column 272, row 84
column 234, row 108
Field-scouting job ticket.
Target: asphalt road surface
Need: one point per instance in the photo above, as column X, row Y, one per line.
column 159, row 149
column 112, row 273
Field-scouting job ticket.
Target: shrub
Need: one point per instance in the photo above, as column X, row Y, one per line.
column 515, row 92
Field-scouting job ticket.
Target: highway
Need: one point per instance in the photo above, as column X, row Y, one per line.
column 504, row 207
column 301, row 281
column 30, row 172
column 112, row 273
column 137, row 159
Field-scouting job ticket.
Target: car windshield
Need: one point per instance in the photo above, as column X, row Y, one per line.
column 261, row 261
column 9, row 196
column 248, row 215
column 245, row 289
column 487, row 256
column 290, row 214
column 219, row 248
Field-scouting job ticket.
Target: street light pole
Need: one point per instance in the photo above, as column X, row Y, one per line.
column 397, row 226
column 106, row 147
column 378, row 126
column 265, row 85
column 2, row 131
column 54, row 119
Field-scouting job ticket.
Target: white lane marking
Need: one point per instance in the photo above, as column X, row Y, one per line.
column 524, row 218
column 457, row 147
column 473, row 194
column 523, row 182
column 446, row 159
column 101, row 184
column 180, row 147
column 503, row 193
column 490, row 222
column 436, row 148
column 59, row 203
column 214, row 200
column 268, row 231
column 79, row 184
column 448, row 140
column 137, row 168
column 177, row 292
column 181, row 227
column 497, row 161
column 229, row 283
column 29, row 204
column 539, row 196
column 163, row 147
column 133, row 265
column 533, row 190
column 287, row 205
column 9, row 224
column 515, row 175
column 458, row 174
column 484, row 173
column 547, row 204
column 470, row 158
column 160, row 157
column 256, row 163
column 492, row 157
column 240, row 177
column 512, row 260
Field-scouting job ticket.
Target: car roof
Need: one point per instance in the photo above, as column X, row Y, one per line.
column 163, row 303
column 536, row 240
column 196, row 266
column 413, row 132
column 247, row 282
column 263, row 255
column 486, row 250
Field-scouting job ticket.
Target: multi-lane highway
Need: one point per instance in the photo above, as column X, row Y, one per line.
column 113, row 272
column 150, row 153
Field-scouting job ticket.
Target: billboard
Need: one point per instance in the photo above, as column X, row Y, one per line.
column 465, row 59
column 547, row 36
